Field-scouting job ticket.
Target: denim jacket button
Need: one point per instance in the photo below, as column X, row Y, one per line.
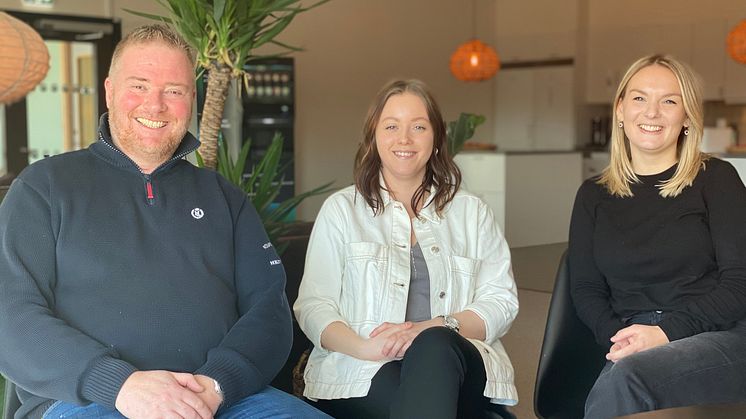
column 435, row 250
column 442, row 295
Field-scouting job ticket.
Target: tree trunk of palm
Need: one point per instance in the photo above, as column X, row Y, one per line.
column 218, row 82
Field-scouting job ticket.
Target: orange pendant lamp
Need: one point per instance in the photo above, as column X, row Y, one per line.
column 474, row 61
column 24, row 59
column 736, row 43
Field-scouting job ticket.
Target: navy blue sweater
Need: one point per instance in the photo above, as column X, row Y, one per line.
column 684, row 255
column 105, row 270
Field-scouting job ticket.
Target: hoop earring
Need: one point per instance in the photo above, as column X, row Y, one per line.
column 437, row 150
column 686, row 131
column 621, row 124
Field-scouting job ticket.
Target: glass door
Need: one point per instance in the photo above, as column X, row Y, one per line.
column 61, row 113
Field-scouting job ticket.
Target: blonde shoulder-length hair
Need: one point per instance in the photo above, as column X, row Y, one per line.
column 619, row 175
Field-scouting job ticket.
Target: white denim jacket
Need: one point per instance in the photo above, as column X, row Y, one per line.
column 357, row 272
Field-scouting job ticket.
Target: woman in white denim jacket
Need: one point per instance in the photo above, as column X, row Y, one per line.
column 393, row 259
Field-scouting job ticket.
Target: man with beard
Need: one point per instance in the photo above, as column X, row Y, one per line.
column 133, row 283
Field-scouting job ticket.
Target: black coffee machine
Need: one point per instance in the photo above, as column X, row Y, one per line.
column 600, row 131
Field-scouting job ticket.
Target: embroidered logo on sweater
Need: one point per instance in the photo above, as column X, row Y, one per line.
column 267, row 245
column 275, row 262
column 197, row 213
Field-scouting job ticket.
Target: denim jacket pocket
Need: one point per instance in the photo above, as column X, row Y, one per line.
column 363, row 281
column 463, row 272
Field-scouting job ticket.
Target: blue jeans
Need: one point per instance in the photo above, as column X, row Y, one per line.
column 706, row 368
column 268, row 403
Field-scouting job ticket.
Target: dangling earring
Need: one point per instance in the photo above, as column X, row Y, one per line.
column 686, row 131
column 437, row 151
column 621, row 124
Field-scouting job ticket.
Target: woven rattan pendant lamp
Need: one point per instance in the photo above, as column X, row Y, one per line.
column 474, row 60
column 736, row 42
column 24, row 59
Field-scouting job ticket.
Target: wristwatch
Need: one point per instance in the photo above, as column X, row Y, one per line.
column 451, row 322
column 218, row 389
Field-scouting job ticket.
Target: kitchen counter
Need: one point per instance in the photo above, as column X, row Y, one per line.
column 519, row 152
column 531, row 193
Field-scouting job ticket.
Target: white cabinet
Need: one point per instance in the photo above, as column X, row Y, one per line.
column 554, row 102
column 483, row 174
column 605, row 63
column 514, row 109
column 595, row 163
column 709, row 56
column 540, row 191
column 535, row 109
column 700, row 44
column 531, row 194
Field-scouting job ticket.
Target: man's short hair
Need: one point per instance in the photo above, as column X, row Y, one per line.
column 149, row 34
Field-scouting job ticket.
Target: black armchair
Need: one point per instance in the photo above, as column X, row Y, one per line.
column 570, row 357
column 11, row 400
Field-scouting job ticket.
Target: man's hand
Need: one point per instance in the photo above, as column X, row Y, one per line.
column 394, row 339
column 209, row 395
column 635, row 338
column 162, row 394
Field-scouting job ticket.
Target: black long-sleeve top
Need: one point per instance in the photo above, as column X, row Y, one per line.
column 684, row 255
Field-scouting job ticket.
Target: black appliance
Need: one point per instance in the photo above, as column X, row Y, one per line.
column 269, row 107
column 600, row 131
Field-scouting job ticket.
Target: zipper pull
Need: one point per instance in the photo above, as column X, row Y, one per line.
column 149, row 190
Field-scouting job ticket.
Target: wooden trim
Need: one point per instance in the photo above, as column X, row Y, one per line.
column 538, row 63
column 66, row 86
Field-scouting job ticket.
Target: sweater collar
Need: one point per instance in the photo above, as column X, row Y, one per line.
column 106, row 149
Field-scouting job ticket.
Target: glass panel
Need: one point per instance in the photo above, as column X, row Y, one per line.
column 62, row 109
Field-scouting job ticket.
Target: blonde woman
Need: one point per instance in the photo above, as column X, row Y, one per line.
column 407, row 287
column 658, row 253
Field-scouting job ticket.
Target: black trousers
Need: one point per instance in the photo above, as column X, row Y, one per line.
column 441, row 376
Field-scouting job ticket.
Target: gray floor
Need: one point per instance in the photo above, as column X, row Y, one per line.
column 534, row 269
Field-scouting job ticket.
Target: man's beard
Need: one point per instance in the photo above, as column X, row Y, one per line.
column 127, row 140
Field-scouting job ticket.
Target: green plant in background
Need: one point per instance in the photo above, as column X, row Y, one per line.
column 225, row 34
column 263, row 185
column 462, row 129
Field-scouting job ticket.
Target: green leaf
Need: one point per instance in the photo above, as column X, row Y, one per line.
column 459, row 131
column 238, row 169
column 219, row 8
column 148, row 15
column 286, row 46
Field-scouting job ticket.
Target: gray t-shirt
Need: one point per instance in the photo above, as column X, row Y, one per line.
column 418, row 301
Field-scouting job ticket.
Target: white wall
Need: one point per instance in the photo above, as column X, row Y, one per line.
column 536, row 29
column 604, row 14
